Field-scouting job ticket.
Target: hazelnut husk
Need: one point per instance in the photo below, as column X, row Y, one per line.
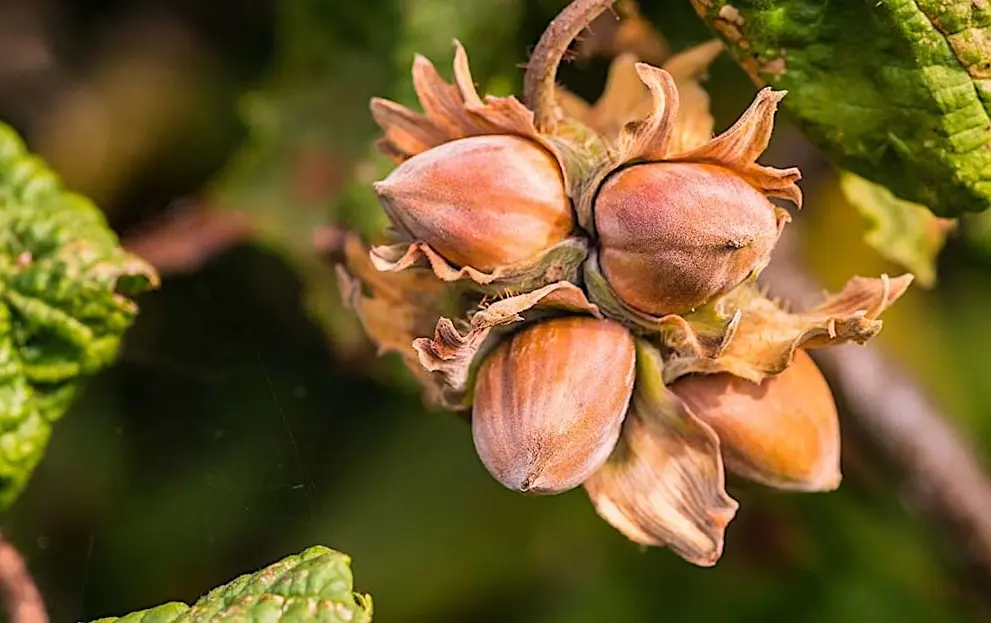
column 587, row 225
column 664, row 483
column 550, row 400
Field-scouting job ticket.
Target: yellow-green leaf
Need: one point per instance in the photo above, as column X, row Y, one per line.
column 901, row 231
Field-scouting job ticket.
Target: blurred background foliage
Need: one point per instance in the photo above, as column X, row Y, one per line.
column 248, row 418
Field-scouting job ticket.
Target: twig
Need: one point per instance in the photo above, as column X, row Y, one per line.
column 329, row 242
column 21, row 599
column 941, row 473
column 187, row 237
column 539, row 83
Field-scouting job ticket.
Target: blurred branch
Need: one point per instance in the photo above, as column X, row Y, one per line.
column 21, row 599
column 329, row 242
column 187, row 237
column 940, row 470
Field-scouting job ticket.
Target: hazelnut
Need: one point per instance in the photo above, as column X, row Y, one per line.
column 483, row 201
column 550, row 400
column 673, row 235
column 783, row 432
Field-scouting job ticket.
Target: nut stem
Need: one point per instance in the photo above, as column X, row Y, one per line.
column 541, row 72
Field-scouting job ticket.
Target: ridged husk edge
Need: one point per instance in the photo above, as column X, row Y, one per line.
column 561, row 262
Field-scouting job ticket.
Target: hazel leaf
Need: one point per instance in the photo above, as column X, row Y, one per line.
column 166, row 613
column 65, row 285
column 315, row 586
column 898, row 91
column 901, row 231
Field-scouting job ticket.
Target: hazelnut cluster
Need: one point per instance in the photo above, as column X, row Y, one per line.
column 587, row 294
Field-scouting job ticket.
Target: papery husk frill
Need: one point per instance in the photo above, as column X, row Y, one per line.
column 457, row 347
column 664, row 483
column 562, row 262
column 454, row 111
column 752, row 336
column 626, row 98
column 398, row 309
column 395, row 308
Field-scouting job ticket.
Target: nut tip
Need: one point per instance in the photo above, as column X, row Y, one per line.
column 530, row 480
column 382, row 188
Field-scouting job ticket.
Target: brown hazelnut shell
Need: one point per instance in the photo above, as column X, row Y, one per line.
column 674, row 235
column 550, row 400
column 484, row 201
column 783, row 432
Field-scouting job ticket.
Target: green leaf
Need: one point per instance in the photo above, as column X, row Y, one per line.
column 897, row 91
column 901, row 231
column 314, row 586
column 166, row 613
column 64, row 288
